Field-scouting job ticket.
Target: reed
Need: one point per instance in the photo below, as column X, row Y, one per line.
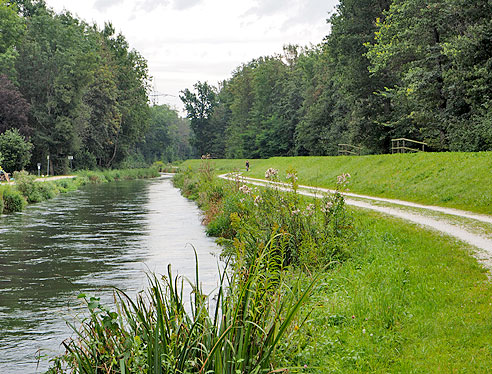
column 236, row 329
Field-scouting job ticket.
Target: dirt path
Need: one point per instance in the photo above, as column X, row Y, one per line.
column 464, row 231
column 54, row 178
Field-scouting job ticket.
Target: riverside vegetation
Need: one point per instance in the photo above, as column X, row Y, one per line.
column 313, row 287
column 26, row 190
column 391, row 298
column 240, row 327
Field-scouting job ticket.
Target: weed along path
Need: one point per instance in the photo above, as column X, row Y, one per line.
column 420, row 214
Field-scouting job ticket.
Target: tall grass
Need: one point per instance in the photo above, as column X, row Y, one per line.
column 316, row 232
column 103, row 176
column 408, row 300
column 235, row 330
column 12, row 199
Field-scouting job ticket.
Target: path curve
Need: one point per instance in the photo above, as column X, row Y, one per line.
column 482, row 243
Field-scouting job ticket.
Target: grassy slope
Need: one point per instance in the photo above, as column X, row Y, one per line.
column 458, row 180
column 419, row 303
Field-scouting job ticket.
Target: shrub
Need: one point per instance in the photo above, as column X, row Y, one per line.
column 47, row 190
column 316, row 232
column 25, row 184
column 15, row 150
column 13, row 200
column 33, row 191
column 66, row 185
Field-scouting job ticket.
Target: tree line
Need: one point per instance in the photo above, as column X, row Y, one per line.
column 68, row 88
column 418, row 69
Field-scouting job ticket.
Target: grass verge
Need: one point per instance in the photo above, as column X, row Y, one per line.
column 406, row 301
column 403, row 300
column 452, row 179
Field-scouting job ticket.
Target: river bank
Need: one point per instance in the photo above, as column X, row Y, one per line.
column 402, row 299
column 27, row 189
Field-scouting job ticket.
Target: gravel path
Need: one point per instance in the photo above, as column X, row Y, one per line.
column 54, row 178
column 57, row 177
column 462, row 232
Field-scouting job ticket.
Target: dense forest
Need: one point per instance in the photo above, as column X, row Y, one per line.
column 389, row 68
column 70, row 89
column 420, row 69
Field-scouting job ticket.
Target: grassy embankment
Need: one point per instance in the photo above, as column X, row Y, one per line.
column 457, row 180
column 391, row 297
column 404, row 300
column 26, row 190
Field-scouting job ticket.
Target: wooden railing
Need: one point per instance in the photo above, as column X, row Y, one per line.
column 348, row 150
column 403, row 145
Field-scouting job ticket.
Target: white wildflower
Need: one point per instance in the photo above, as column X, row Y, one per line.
column 343, row 179
column 258, row 200
column 291, row 176
column 326, row 208
column 270, row 173
column 309, row 210
column 245, row 189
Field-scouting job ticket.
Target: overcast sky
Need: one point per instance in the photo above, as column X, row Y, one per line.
column 189, row 40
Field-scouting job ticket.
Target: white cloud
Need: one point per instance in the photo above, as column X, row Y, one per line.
column 103, row 5
column 189, row 40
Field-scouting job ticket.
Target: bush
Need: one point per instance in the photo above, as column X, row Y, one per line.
column 33, row 191
column 13, row 200
column 66, row 185
column 47, row 190
column 15, row 150
column 315, row 232
column 25, row 184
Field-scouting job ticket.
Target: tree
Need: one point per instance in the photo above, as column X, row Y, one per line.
column 55, row 64
column 100, row 136
column 357, row 114
column 436, row 51
column 15, row 150
column 132, row 83
column 14, row 108
column 167, row 138
column 11, row 32
column 200, row 106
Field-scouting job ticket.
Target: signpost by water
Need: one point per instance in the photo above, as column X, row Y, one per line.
column 70, row 159
column 48, row 167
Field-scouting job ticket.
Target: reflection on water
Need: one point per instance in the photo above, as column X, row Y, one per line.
column 104, row 235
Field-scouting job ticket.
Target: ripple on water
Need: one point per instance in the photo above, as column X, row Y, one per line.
column 105, row 235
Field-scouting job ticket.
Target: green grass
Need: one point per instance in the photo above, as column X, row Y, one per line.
column 407, row 301
column 458, row 180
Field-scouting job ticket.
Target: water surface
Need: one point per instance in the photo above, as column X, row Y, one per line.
column 104, row 235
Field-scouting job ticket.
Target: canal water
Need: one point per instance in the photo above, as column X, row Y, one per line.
column 101, row 236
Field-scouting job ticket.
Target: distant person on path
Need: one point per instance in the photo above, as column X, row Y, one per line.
column 247, row 165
